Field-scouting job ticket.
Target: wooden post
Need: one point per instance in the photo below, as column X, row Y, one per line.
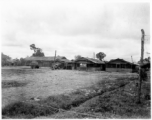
column 54, row 60
column 132, row 59
column 132, row 64
column 55, row 56
column 141, row 62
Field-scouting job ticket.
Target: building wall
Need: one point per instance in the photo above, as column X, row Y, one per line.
column 118, row 69
column 44, row 63
column 94, row 69
column 89, row 68
column 88, row 65
column 69, row 66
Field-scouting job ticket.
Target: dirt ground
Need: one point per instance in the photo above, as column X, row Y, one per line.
column 44, row 82
column 45, row 93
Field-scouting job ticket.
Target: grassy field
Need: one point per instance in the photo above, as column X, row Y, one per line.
column 44, row 93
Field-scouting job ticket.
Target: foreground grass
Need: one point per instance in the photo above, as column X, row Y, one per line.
column 8, row 84
column 109, row 98
column 116, row 104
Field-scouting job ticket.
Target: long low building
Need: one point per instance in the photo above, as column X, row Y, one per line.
column 120, row 65
column 46, row 61
column 90, row 64
column 85, row 63
column 43, row 61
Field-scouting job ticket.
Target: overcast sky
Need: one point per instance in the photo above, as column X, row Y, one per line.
column 74, row 28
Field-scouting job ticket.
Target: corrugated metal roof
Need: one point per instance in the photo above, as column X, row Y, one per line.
column 64, row 60
column 58, row 58
column 112, row 60
column 95, row 61
column 40, row 58
column 91, row 60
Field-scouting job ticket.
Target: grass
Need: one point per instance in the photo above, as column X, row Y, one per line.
column 119, row 103
column 110, row 98
column 27, row 110
column 7, row 84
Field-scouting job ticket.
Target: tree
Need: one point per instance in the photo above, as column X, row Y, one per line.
column 77, row 57
column 5, row 59
column 63, row 57
column 37, row 51
column 100, row 55
column 146, row 60
column 16, row 62
column 22, row 61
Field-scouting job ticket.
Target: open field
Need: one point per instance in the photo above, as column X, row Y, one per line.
column 43, row 82
column 42, row 90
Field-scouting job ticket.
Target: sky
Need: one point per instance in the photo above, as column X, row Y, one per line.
column 75, row 28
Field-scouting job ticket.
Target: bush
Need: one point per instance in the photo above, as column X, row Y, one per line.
column 27, row 110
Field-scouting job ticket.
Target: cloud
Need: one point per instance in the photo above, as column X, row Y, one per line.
column 74, row 28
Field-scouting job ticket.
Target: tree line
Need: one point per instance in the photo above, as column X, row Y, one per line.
column 8, row 61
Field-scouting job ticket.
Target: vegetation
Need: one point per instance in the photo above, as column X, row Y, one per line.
column 37, row 51
column 27, row 110
column 101, row 55
column 5, row 59
column 22, row 61
column 8, row 61
column 109, row 98
column 7, row 84
column 77, row 57
column 146, row 60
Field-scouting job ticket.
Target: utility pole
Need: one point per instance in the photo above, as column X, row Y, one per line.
column 53, row 63
column 55, row 56
column 132, row 59
column 141, row 62
column 132, row 64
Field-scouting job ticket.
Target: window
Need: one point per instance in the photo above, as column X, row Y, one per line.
column 113, row 65
column 128, row 66
column 123, row 66
column 83, row 65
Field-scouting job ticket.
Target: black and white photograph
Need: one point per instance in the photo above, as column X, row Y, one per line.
column 75, row 59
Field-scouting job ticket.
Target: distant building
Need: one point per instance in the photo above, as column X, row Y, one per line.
column 46, row 61
column 64, row 63
column 89, row 64
column 43, row 61
column 120, row 65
